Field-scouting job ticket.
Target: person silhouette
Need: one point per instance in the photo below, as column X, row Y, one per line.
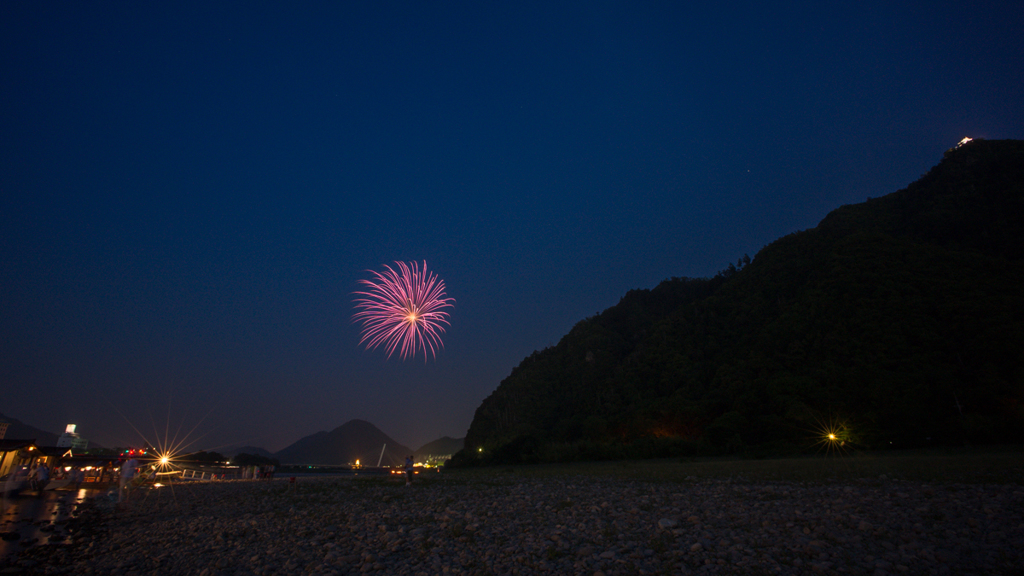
column 41, row 477
column 126, row 475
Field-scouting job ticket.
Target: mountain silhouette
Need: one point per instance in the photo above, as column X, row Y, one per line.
column 352, row 441
column 18, row 430
column 896, row 322
column 251, row 450
column 441, row 447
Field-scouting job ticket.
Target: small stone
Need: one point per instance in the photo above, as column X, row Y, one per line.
column 667, row 523
column 696, row 547
column 608, row 555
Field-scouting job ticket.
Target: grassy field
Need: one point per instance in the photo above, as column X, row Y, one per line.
column 999, row 465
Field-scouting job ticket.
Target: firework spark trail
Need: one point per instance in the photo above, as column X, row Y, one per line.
column 403, row 310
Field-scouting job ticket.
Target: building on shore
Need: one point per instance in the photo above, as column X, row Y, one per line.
column 3, row 429
column 14, row 453
column 71, row 439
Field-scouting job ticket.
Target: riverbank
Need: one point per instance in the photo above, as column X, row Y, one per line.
column 31, row 519
column 511, row 524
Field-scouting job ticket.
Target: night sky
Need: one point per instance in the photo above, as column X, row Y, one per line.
column 190, row 192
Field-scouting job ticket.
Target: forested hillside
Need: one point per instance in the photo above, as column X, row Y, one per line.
column 897, row 322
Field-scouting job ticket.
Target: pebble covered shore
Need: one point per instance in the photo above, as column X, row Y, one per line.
column 563, row 525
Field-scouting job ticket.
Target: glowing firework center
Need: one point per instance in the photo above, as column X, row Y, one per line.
column 403, row 310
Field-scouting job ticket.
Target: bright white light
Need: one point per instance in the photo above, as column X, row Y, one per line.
column 964, row 141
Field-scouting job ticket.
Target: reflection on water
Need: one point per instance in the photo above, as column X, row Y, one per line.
column 30, row 519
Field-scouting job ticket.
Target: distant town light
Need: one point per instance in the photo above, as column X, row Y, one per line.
column 964, row 141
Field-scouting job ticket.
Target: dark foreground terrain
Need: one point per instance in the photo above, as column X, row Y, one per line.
column 520, row 522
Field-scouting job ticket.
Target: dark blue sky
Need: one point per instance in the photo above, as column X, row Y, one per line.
column 189, row 192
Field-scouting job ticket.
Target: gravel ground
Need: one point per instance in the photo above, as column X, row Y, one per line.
column 515, row 525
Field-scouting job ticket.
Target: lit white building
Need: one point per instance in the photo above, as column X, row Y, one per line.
column 71, row 439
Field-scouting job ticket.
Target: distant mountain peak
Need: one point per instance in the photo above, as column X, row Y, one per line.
column 442, row 446
column 356, row 423
column 353, row 440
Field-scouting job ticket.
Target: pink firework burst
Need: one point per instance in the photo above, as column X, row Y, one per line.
column 403, row 310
